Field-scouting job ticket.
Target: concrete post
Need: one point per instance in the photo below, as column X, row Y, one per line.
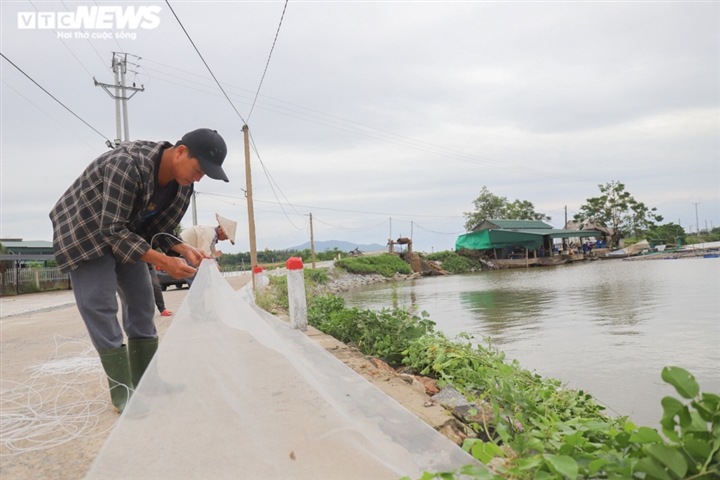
column 296, row 294
column 257, row 272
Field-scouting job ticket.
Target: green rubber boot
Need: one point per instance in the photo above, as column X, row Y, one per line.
column 116, row 363
column 141, row 351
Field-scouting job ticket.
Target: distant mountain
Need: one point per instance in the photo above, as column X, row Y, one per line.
column 342, row 246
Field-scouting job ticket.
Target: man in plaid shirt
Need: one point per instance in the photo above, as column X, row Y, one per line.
column 127, row 202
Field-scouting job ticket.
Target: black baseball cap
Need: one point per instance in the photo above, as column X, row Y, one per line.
column 209, row 148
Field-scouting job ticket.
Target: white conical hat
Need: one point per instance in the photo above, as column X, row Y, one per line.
column 228, row 227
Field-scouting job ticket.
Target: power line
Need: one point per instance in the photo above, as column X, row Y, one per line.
column 352, row 229
column 203, row 60
column 378, row 134
column 439, row 233
column 87, row 38
column 114, row 37
column 65, row 45
column 268, row 60
column 267, row 175
column 252, row 142
column 50, row 116
column 51, row 96
column 342, row 210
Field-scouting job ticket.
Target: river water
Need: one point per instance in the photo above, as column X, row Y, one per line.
column 606, row 327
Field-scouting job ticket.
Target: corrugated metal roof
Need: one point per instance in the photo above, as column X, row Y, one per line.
column 557, row 233
column 27, row 244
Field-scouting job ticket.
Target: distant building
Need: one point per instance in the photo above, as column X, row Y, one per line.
column 15, row 246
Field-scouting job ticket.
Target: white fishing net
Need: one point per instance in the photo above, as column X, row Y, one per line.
column 260, row 401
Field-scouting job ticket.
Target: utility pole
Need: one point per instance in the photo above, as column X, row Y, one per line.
column 565, row 217
column 119, row 66
column 697, row 222
column 312, row 242
column 194, row 209
column 248, row 193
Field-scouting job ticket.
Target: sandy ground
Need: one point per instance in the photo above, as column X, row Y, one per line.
column 40, row 329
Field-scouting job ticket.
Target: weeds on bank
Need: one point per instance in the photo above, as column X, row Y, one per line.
column 274, row 299
column 533, row 427
column 386, row 265
column 385, row 333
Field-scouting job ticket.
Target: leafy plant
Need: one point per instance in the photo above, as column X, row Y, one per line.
column 317, row 276
column 385, row 333
column 386, row 265
column 455, row 263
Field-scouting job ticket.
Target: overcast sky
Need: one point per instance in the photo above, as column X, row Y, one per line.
column 372, row 110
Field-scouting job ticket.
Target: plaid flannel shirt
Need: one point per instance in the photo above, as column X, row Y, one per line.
column 102, row 211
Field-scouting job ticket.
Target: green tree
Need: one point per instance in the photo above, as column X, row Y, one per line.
column 488, row 205
column 617, row 209
column 667, row 233
column 522, row 210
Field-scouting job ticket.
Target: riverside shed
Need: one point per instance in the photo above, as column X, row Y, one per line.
column 509, row 235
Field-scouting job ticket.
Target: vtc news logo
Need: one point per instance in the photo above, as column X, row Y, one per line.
column 92, row 18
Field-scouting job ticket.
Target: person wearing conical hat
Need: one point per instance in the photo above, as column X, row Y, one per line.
column 205, row 238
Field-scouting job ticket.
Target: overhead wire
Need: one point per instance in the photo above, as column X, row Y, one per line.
column 233, row 105
column 53, row 97
column 203, row 60
column 237, row 205
column 88, row 39
column 312, row 207
column 114, row 37
column 439, row 233
column 383, row 135
column 252, row 142
column 65, row 45
column 268, row 60
column 50, row 116
column 353, row 229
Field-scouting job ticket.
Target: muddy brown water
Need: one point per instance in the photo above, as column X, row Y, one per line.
column 606, row 327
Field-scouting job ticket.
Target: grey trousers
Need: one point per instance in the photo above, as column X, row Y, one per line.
column 157, row 291
column 95, row 283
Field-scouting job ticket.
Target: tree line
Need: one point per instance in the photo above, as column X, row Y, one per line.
column 268, row 256
column 615, row 208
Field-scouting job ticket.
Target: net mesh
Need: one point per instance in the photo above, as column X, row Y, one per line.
column 254, row 398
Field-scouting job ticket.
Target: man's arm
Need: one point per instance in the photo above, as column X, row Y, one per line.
column 120, row 187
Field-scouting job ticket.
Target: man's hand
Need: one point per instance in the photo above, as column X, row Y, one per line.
column 192, row 254
column 176, row 267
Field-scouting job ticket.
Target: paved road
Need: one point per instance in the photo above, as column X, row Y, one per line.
column 35, row 302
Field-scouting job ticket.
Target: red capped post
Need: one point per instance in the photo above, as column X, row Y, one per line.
column 296, row 293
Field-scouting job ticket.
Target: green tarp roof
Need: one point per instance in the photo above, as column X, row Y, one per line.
column 484, row 239
column 530, row 239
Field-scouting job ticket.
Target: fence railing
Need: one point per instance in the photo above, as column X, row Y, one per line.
column 38, row 278
column 33, row 278
column 35, row 275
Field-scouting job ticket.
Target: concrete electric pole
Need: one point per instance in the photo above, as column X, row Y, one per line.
column 120, row 95
column 251, row 211
column 697, row 222
column 312, row 242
